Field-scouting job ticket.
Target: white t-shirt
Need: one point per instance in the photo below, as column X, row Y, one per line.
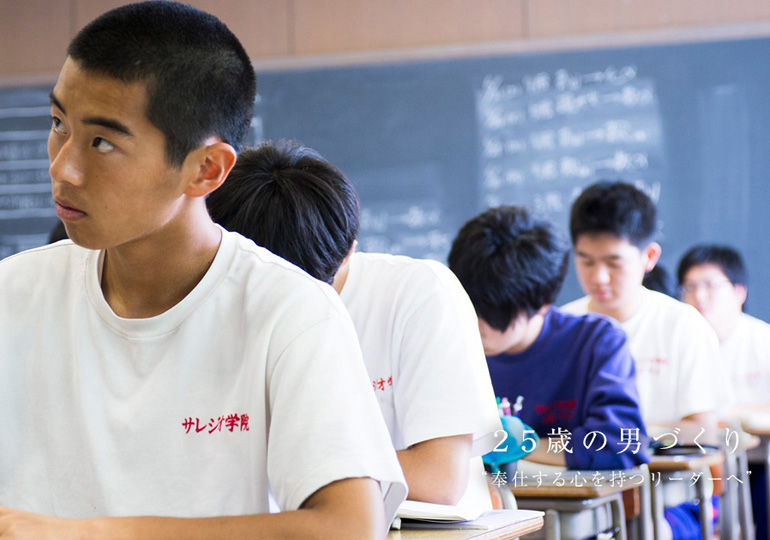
column 422, row 349
column 746, row 355
column 677, row 360
column 254, row 380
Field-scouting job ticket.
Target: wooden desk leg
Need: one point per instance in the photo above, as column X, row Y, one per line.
column 744, row 495
column 705, row 508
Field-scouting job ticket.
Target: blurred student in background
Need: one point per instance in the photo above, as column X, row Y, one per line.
column 713, row 279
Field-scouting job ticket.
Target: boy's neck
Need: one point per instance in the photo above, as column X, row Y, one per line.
column 622, row 312
column 727, row 328
column 148, row 277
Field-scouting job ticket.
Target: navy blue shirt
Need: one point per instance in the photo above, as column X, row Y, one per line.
column 578, row 376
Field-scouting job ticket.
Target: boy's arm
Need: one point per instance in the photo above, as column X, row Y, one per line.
column 436, row 470
column 613, row 434
column 441, row 355
column 705, row 420
column 345, row 509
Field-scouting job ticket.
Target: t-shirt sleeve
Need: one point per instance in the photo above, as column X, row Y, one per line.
column 324, row 421
column 444, row 387
column 613, row 435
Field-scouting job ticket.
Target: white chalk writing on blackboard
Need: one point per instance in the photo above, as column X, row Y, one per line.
column 544, row 136
column 26, row 208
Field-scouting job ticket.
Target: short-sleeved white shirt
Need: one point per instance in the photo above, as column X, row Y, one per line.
column 423, row 352
column 422, row 349
column 677, row 360
column 253, row 381
column 746, row 355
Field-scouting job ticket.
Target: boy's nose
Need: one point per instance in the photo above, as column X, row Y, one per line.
column 65, row 164
column 602, row 274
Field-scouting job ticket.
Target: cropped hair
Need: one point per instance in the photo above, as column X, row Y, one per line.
column 200, row 81
column 289, row 199
column 725, row 257
column 616, row 208
column 509, row 263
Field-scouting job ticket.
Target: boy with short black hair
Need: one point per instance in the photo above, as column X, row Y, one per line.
column 415, row 323
column 713, row 279
column 613, row 227
column 161, row 378
column 575, row 373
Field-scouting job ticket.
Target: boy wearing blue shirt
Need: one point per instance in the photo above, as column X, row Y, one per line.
column 575, row 373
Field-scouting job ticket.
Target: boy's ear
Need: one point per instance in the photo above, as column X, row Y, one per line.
column 651, row 254
column 214, row 161
column 351, row 252
column 741, row 293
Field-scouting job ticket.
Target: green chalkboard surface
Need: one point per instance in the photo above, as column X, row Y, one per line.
column 430, row 144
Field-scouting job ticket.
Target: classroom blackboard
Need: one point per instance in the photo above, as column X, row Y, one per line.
column 429, row 144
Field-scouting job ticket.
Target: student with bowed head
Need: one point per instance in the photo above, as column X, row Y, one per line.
column 613, row 226
column 575, row 373
column 161, row 378
column 415, row 323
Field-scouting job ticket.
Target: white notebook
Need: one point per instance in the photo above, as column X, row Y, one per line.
column 492, row 519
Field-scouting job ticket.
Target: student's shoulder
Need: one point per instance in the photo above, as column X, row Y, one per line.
column 48, row 268
column 262, row 274
column 750, row 327
column 754, row 323
column 589, row 340
column 667, row 309
column 34, row 263
column 588, row 324
column 677, row 322
column 388, row 262
column 576, row 307
column 423, row 274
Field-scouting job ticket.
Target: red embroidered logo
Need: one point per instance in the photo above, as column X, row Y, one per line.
column 382, row 383
column 558, row 410
column 229, row 422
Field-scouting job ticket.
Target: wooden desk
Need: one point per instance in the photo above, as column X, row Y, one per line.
column 696, row 463
column 759, row 425
column 504, row 533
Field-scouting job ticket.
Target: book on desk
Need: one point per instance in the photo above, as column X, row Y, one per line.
column 450, row 519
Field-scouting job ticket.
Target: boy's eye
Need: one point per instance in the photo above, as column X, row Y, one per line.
column 103, row 145
column 57, row 125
